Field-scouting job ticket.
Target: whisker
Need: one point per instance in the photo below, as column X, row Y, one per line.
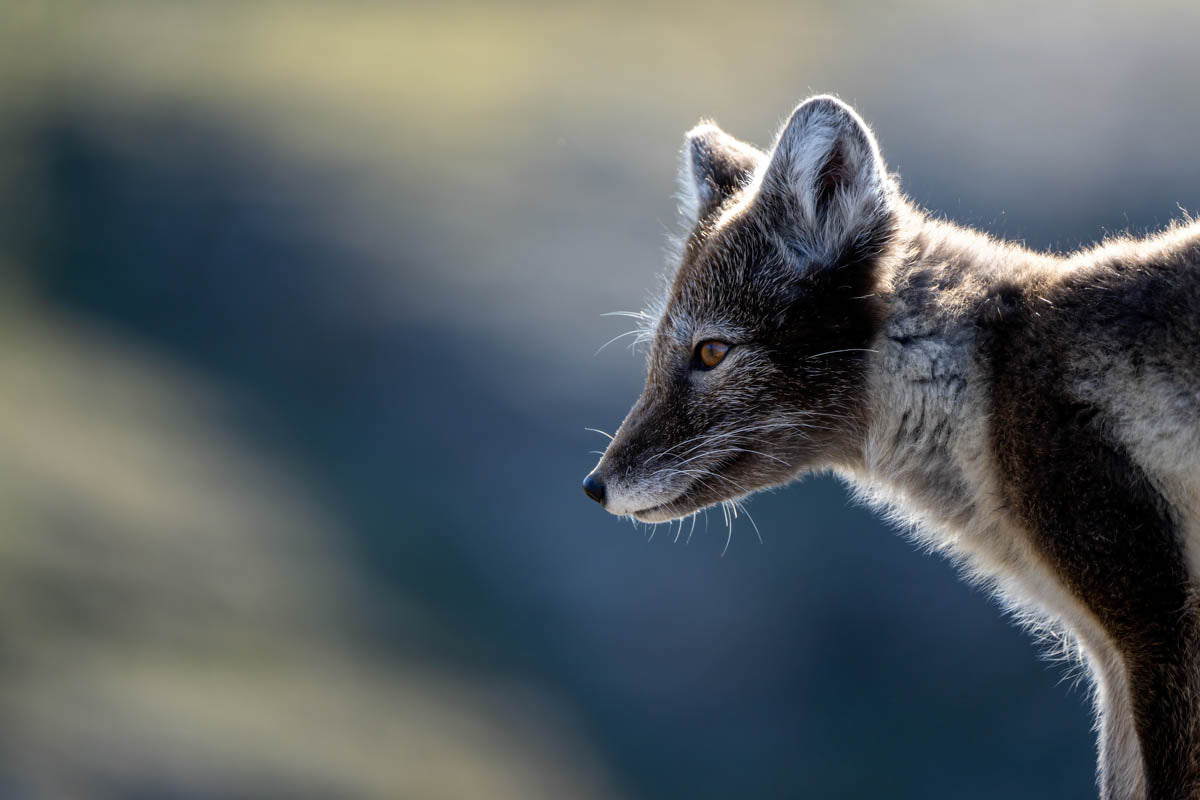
column 734, row 450
column 602, row 433
column 712, row 437
column 635, row 332
column 700, row 474
column 750, row 517
column 728, row 525
column 847, row 350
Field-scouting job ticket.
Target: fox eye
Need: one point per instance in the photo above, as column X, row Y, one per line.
column 711, row 352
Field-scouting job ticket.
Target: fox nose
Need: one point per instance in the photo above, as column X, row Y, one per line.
column 593, row 487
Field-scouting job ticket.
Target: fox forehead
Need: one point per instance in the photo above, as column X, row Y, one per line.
column 730, row 282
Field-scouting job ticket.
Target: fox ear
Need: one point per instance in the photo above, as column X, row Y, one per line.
column 715, row 167
column 827, row 169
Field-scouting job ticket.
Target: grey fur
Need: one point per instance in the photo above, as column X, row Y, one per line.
column 1036, row 416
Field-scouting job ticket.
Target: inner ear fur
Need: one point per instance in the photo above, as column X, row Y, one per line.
column 715, row 167
column 827, row 169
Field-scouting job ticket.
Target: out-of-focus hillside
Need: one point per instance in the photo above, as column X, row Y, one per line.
column 176, row 613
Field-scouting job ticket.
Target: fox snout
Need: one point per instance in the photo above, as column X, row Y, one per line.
column 636, row 475
column 624, row 484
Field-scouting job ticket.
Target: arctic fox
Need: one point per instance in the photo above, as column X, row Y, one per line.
column 1036, row 415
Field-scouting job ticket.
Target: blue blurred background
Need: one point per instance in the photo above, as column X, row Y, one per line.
column 299, row 308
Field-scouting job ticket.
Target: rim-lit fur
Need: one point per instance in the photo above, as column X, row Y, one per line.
column 1036, row 416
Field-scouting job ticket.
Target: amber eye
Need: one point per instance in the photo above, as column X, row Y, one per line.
column 711, row 353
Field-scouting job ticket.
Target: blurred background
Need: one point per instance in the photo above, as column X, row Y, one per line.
column 299, row 314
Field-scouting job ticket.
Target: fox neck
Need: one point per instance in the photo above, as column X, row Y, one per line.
column 923, row 449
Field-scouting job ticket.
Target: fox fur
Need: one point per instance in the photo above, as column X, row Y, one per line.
column 1035, row 415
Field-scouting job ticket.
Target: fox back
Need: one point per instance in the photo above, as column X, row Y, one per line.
column 1037, row 416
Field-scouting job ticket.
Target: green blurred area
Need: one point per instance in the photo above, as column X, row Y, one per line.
column 300, row 302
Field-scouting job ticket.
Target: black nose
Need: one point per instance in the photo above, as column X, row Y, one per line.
column 593, row 487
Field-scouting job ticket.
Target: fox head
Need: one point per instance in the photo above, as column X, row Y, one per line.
column 757, row 361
